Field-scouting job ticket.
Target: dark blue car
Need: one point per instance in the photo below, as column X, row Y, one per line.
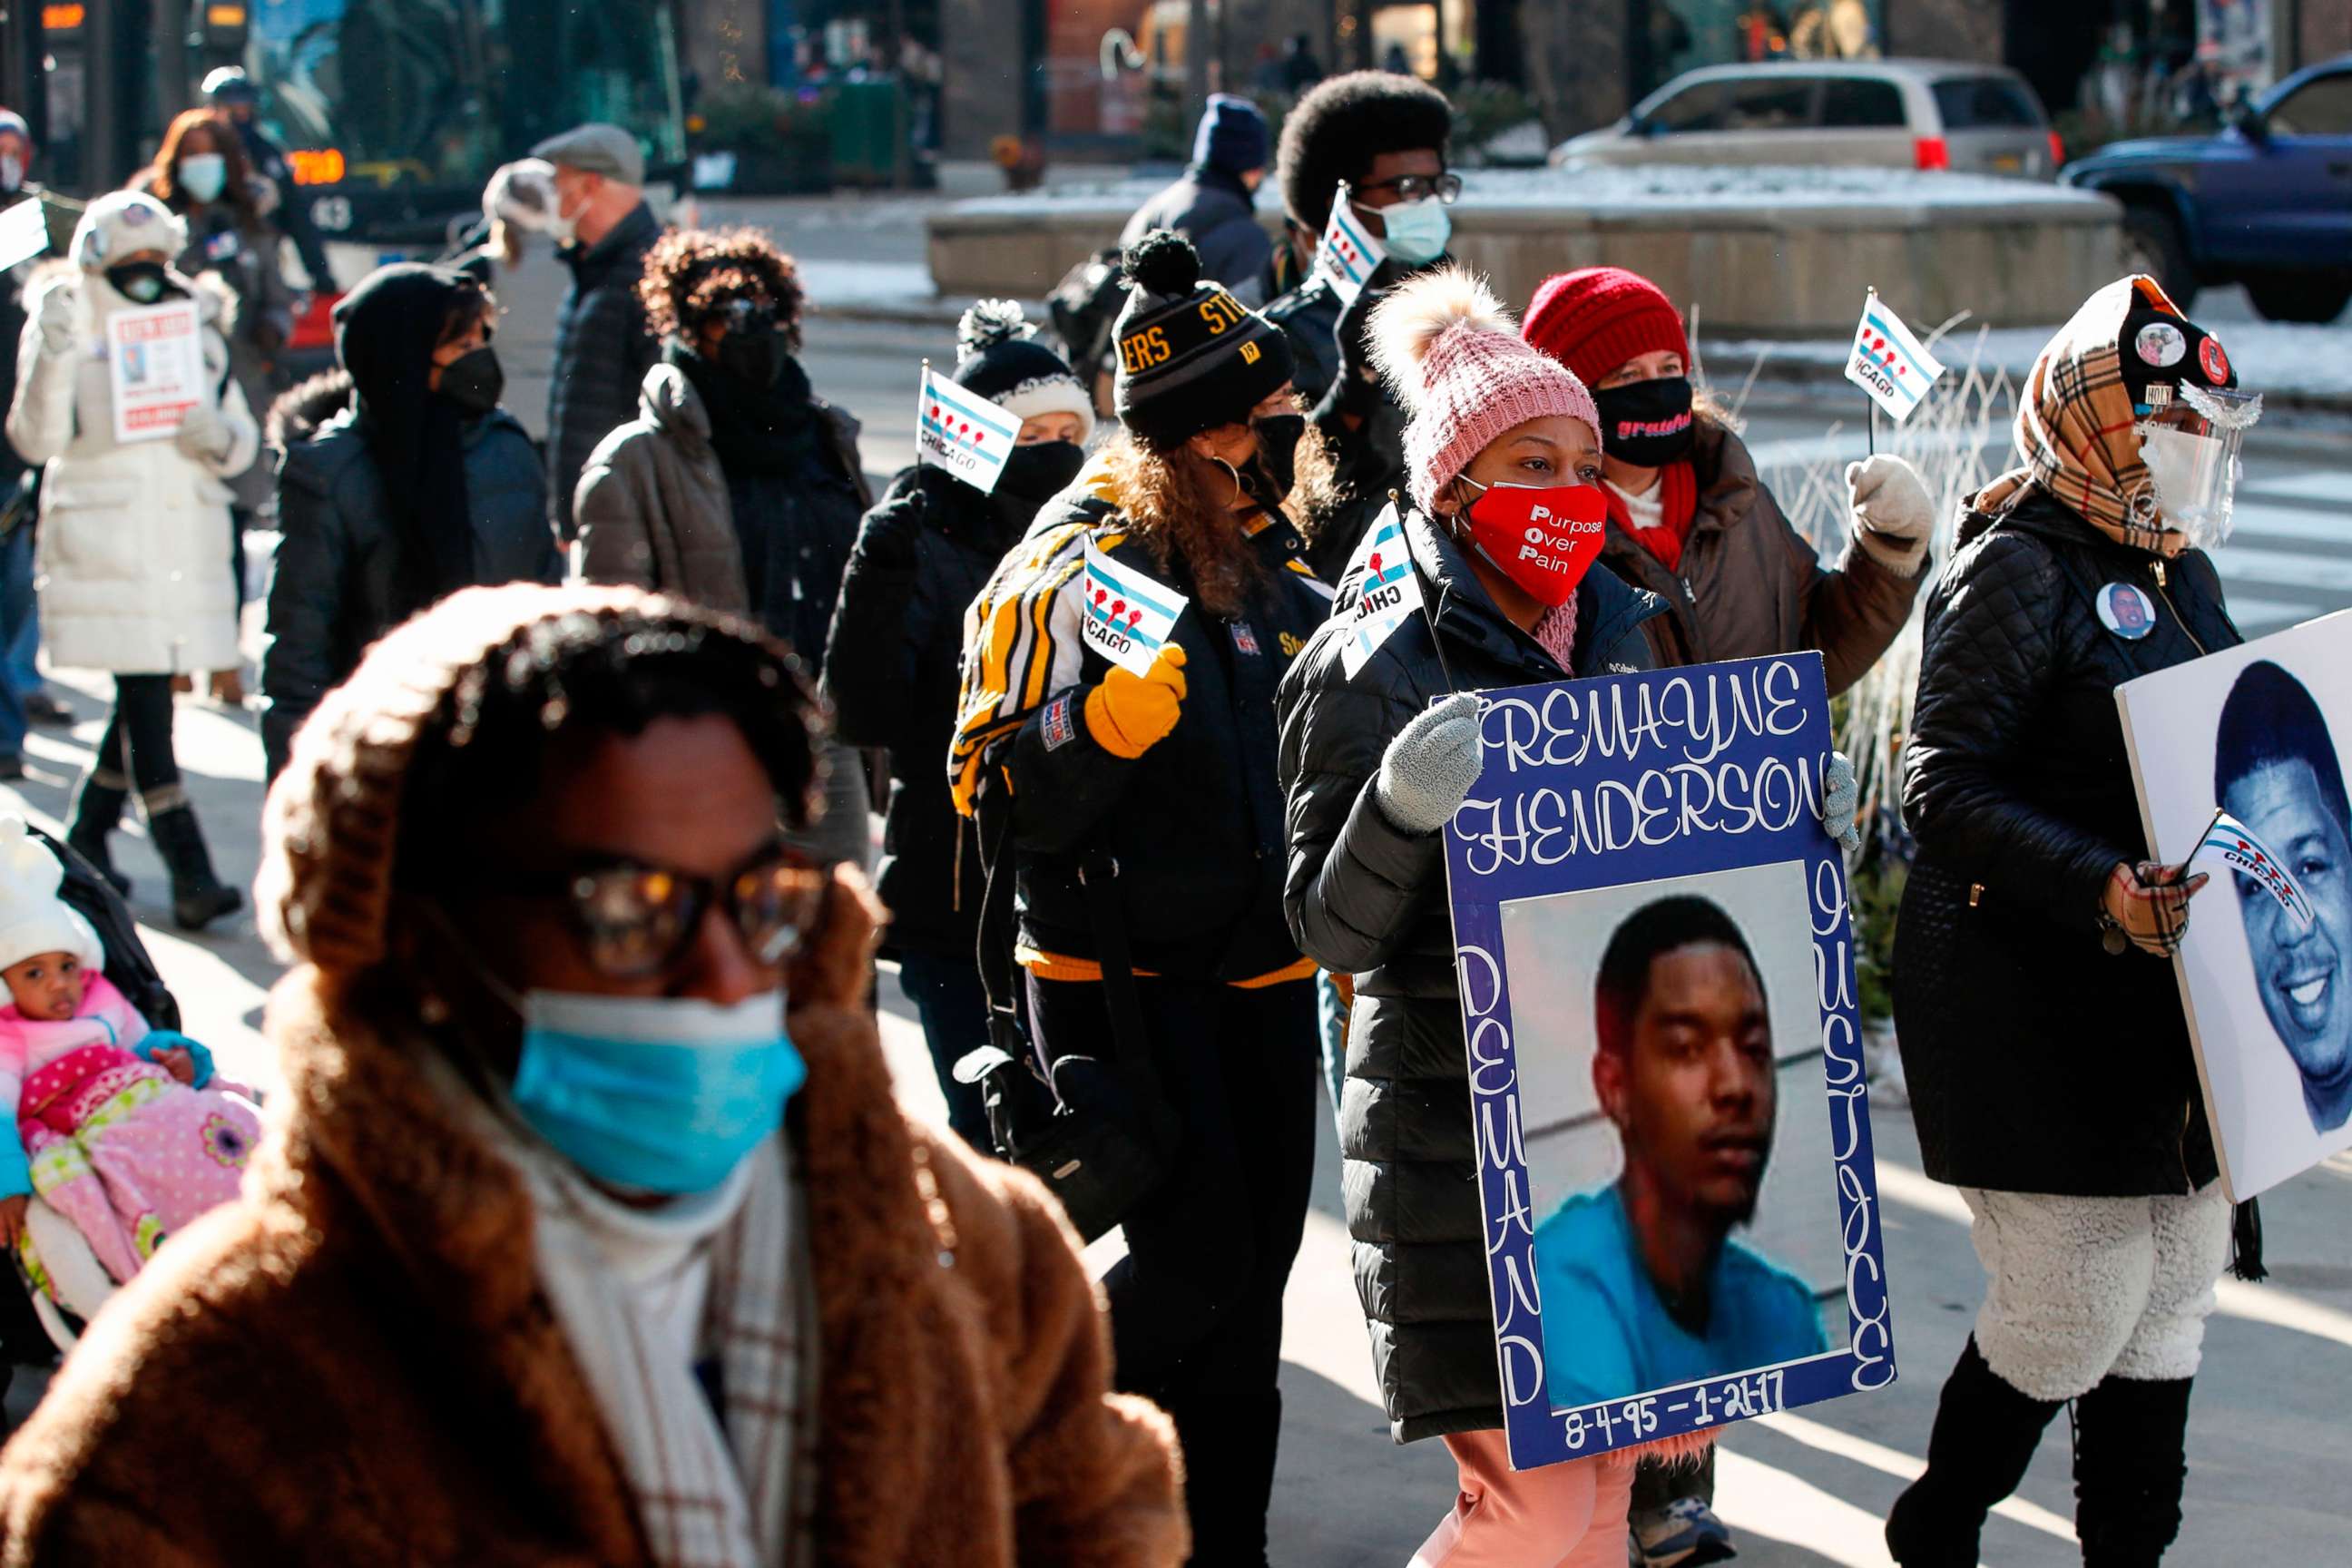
column 2266, row 202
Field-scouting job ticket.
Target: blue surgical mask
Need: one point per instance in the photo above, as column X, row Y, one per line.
column 1417, row 231
column 202, row 176
column 657, row 1093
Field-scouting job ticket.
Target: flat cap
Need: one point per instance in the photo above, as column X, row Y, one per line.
column 596, row 149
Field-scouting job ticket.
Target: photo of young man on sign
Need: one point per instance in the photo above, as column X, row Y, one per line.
column 1655, row 1025
column 2237, row 760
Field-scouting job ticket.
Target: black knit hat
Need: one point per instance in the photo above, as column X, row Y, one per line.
column 999, row 358
column 1190, row 357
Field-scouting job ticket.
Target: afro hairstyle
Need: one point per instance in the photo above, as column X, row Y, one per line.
column 692, row 274
column 1342, row 124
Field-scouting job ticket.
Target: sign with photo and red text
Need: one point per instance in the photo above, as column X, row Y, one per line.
column 155, row 368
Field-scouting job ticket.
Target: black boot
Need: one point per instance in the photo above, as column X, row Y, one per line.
column 1984, row 1437
column 98, row 812
column 198, row 898
column 2130, row 1460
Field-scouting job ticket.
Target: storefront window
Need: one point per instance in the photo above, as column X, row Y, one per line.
column 1682, row 34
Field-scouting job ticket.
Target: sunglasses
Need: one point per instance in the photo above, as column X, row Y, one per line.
column 636, row 920
column 1446, row 188
column 746, row 316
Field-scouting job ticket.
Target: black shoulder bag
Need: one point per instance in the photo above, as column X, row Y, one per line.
column 1093, row 1130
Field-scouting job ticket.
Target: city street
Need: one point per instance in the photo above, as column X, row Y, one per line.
column 1804, row 1490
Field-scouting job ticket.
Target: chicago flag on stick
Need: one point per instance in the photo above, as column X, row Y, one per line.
column 2250, row 857
column 962, row 432
column 1888, row 362
column 1349, row 254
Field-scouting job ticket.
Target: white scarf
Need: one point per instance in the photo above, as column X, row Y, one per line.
column 642, row 1295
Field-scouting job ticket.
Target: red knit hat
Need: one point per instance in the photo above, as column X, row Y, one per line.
column 1595, row 318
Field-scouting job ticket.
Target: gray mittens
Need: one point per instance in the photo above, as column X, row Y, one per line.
column 1841, row 801
column 1429, row 767
column 1893, row 516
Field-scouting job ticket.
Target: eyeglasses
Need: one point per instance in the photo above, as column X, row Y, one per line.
column 1445, row 187
column 634, row 921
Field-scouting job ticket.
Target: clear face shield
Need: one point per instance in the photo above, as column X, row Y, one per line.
column 2189, row 439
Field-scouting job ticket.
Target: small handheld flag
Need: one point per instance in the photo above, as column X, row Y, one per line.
column 962, row 432
column 23, row 232
column 1128, row 615
column 1387, row 593
column 1348, row 254
column 1888, row 362
column 2250, row 857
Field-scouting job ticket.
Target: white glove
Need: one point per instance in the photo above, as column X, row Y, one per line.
column 204, row 435
column 60, row 318
column 1428, row 770
column 1841, row 803
column 1893, row 516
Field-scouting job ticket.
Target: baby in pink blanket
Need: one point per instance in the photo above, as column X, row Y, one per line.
column 122, row 1129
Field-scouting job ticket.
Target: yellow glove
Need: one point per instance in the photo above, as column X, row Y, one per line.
column 1129, row 714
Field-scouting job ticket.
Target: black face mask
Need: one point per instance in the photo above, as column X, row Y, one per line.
column 1269, row 476
column 754, row 358
column 1647, row 422
column 1038, row 472
column 140, row 282
column 473, row 381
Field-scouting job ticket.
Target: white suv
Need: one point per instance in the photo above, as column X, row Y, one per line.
column 1895, row 114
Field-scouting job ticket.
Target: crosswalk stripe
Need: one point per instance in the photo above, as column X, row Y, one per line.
column 2316, row 484
column 2264, row 615
column 2285, row 569
column 2291, row 522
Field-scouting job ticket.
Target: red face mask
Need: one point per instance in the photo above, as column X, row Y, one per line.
column 1544, row 538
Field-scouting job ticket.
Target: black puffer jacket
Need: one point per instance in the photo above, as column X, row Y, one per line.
column 1195, row 823
column 890, row 668
column 602, row 349
column 332, row 590
column 1368, row 899
column 2037, row 1061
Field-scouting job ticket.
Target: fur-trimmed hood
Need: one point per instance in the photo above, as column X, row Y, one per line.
column 355, row 1363
column 304, row 408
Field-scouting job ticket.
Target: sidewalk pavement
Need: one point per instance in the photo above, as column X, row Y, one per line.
column 1802, row 1489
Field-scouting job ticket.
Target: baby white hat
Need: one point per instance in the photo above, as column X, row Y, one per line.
column 33, row 919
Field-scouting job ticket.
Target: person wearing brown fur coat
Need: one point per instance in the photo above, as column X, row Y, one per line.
column 358, row 1362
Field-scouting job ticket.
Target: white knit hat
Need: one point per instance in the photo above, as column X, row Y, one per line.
column 124, row 223
column 33, row 919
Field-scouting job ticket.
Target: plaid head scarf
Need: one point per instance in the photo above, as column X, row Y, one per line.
column 2077, row 436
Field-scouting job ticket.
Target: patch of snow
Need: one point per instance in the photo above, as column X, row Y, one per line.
column 2270, row 356
column 865, row 285
column 1674, row 185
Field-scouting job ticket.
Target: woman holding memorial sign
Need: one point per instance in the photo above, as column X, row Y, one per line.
column 2041, row 1031
column 123, row 391
column 1379, row 745
column 1116, row 745
column 736, row 485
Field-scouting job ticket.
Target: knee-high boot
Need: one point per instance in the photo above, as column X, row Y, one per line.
column 98, row 812
column 2130, row 1463
column 198, row 898
column 1984, row 1437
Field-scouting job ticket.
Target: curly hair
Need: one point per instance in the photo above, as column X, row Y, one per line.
column 1175, row 502
column 1342, row 124
column 691, row 273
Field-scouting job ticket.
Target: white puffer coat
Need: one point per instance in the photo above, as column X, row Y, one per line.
column 134, row 546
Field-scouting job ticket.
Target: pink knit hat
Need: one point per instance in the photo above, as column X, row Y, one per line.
column 1455, row 360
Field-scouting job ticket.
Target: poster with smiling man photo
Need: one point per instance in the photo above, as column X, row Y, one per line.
column 2247, row 739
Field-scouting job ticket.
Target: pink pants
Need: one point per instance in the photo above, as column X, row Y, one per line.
column 1561, row 1516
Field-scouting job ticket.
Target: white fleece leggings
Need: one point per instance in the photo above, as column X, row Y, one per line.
column 2080, row 1288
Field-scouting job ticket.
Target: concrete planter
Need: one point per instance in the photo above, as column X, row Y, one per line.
column 1763, row 253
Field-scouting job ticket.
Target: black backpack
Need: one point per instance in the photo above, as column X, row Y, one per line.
column 90, row 895
column 1083, row 308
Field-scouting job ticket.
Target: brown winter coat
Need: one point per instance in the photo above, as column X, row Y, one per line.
column 1748, row 586
column 353, row 1364
column 652, row 508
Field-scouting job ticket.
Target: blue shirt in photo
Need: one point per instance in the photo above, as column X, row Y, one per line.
column 1607, row 1336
